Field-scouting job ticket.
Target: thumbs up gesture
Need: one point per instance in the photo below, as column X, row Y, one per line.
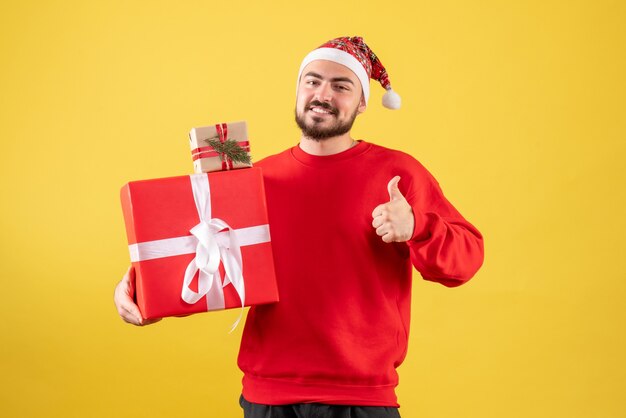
column 394, row 220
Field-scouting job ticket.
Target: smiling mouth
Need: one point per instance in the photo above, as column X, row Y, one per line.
column 321, row 110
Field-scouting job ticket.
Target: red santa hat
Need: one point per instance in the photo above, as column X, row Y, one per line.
column 354, row 53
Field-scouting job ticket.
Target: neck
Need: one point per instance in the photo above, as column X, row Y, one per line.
column 328, row 146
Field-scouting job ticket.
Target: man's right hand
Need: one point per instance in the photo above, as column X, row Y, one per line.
column 123, row 298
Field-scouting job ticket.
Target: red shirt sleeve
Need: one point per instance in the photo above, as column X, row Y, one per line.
column 444, row 248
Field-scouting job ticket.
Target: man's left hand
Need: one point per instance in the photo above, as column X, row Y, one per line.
column 394, row 220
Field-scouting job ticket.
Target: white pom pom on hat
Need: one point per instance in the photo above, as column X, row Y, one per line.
column 391, row 99
column 357, row 56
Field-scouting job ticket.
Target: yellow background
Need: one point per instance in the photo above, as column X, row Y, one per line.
column 516, row 107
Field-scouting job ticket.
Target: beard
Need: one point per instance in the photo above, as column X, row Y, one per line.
column 318, row 133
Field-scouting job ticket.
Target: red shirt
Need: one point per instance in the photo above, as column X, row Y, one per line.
column 341, row 327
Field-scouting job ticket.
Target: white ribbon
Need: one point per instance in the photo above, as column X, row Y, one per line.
column 213, row 241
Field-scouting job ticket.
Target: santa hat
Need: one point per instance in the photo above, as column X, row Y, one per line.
column 357, row 56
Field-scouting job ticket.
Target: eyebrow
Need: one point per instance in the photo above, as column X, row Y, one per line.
column 334, row 79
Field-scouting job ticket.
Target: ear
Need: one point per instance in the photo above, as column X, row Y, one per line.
column 362, row 105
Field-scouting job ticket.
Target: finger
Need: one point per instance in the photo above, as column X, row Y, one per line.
column 128, row 310
column 130, row 280
column 388, row 238
column 394, row 191
column 127, row 284
column 130, row 273
column 382, row 230
column 378, row 221
column 127, row 316
column 123, row 298
column 133, row 310
column 378, row 210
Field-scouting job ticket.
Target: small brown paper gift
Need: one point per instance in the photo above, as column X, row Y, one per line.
column 220, row 147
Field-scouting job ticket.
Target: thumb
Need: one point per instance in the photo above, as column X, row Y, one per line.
column 392, row 188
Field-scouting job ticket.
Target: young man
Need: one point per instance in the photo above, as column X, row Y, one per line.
column 348, row 219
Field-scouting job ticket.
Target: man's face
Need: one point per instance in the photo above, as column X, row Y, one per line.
column 329, row 99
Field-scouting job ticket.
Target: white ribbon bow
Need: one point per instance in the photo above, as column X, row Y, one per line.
column 212, row 248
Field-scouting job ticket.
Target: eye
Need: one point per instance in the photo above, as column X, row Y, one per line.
column 312, row 82
column 342, row 87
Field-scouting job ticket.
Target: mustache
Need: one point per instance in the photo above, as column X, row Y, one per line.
column 323, row 105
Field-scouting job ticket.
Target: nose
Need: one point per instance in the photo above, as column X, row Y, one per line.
column 324, row 92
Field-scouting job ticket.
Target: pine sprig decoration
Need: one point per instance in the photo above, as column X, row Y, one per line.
column 230, row 149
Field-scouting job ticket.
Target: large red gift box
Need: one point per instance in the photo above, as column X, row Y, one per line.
column 199, row 242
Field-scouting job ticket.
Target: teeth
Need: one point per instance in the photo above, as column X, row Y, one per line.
column 318, row 110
